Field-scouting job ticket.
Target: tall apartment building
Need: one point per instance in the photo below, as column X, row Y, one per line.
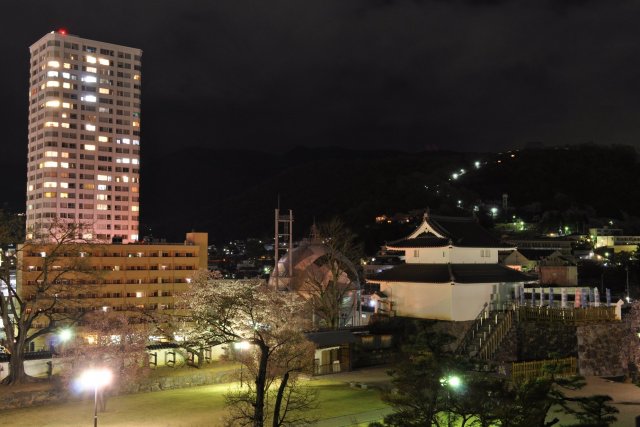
column 84, row 136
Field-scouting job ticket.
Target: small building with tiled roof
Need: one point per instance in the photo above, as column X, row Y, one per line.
column 451, row 271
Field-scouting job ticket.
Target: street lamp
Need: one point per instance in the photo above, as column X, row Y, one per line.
column 96, row 378
column 65, row 334
column 451, row 382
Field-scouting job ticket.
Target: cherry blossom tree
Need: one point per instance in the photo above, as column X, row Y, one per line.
column 269, row 324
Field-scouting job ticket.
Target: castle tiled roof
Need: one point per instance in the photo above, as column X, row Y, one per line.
column 448, row 273
column 424, row 240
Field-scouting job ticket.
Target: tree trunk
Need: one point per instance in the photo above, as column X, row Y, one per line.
column 276, row 408
column 261, row 380
column 17, row 374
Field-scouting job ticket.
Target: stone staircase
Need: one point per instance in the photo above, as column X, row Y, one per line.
column 486, row 333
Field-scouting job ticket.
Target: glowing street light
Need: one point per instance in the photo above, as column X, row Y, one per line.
column 65, row 335
column 452, row 382
column 96, row 379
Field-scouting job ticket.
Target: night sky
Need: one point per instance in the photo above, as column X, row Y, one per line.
column 412, row 75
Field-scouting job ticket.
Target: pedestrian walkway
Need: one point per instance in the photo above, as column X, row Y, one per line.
column 626, row 397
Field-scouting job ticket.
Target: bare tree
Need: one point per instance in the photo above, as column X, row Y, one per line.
column 270, row 323
column 332, row 282
column 46, row 300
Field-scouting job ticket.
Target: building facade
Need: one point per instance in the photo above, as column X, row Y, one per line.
column 114, row 277
column 84, row 137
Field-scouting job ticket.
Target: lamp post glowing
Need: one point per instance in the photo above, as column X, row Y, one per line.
column 96, row 378
column 451, row 382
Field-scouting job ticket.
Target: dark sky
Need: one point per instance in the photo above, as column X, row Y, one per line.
column 413, row 75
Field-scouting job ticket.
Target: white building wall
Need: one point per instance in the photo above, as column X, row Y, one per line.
column 469, row 299
column 451, row 255
column 428, row 255
column 474, row 256
column 420, row 300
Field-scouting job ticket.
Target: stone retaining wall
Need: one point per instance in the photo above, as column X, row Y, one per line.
column 58, row 394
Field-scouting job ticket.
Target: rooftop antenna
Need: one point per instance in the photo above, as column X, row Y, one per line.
column 283, row 229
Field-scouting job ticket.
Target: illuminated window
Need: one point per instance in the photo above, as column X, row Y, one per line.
column 31, row 187
column 64, row 165
column 101, row 207
column 54, row 103
column 103, row 139
column 103, row 177
column 92, row 70
column 89, row 79
column 102, row 187
column 101, row 197
column 50, row 194
column 66, row 105
column 91, row 59
column 89, row 147
column 66, row 75
column 51, row 154
column 136, row 142
column 135, row 208
column 66, row 65
column 50, row 184
column 64, row 195
column 50, row 164
column 66, row 85
column 64, row 154
column 52, row 74
column 64, row 185
column 64, row 125
column 136, row 77
column 89, row 98
column 53, row 64
column 103, row 61
column 91, row 187
column 53, row 83
column 104, row 91
column 91, row 128
column 135, row 124
column 51, row 124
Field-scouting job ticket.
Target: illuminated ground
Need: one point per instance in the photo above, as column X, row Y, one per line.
column 191, row 407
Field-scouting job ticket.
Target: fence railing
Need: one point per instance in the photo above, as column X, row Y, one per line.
column 492, row 342
column 475, row 328
column 522, row 371
column 569, row 315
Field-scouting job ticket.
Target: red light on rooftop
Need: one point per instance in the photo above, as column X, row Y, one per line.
column 62, row 31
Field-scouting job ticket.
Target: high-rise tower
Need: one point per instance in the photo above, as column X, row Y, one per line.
column 84, row 136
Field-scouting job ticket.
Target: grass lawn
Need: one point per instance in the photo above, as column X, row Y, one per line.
column 189, row 407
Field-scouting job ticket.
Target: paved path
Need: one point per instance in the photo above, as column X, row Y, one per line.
column 626, row 397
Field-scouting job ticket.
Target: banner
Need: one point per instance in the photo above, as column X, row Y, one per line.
column 578, row 298
column 563, row 297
